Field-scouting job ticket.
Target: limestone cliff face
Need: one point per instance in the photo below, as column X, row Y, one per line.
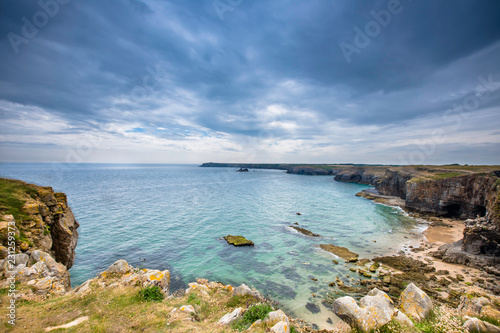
column 464, row 197
column 473, row 196
column 357, row 175
column 45, row 222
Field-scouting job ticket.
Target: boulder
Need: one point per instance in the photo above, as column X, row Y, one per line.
column 415, row 303
column 230, row 317
column 245, row 290
column 375, row 310
column 281, row 327
column 187, row 309
column 275, row 317
column 402, row 319
column 472, row 306
column 479, row 326
column 119, row 267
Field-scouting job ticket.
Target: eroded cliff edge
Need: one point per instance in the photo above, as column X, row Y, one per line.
column 40, row 219
column 471, row 196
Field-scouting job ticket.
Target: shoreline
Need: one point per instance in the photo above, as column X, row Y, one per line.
column 437, row 232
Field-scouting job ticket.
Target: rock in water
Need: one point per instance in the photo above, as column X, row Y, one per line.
column 238, row 240
column 340, row 251
column 415, row 303
column 375, row 310
column 305, row 231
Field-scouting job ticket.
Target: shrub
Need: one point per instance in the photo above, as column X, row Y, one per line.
column 254, row 313
column 152, row 293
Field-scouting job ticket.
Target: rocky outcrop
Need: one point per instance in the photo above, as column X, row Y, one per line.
column 44, row 222
column 357, row 175
column 38, row 270
column 121, row 274
column 375, row 310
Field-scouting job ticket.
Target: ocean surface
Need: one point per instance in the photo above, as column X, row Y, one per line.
column 173, row 217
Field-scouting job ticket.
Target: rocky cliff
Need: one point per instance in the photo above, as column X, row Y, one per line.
column 40, row 218
column 472, row 196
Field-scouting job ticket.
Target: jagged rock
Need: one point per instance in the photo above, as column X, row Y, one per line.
column 472, row 306
column 51, row 226
column 245, row 290
column 374, row 310
column 230, row 317
column 196, row 286
column 402, row 319
column 119, row 267
column 454, row 253
column 275, row 317
column 281, row 327
column 415, row 303
column 479, row 326
column 130, row 276
column 65, row 237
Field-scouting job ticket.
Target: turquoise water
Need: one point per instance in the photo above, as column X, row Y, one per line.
column 174, row 215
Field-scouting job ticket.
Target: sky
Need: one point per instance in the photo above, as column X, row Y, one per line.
column 320, row 81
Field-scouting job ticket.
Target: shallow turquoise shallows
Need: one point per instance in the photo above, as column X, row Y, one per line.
column 173, row 217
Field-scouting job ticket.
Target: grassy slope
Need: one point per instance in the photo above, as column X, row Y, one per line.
column 121, row 310
column 13, row 195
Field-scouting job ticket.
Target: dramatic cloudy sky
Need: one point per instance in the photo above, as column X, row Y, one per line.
column 250, row 81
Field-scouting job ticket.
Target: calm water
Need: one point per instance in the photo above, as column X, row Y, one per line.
column 174, row 215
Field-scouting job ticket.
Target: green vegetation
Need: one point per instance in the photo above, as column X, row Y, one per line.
column 254, row 313
column 490, row 320
column 236, row 301
column 238, row 240
column 46, row 230
column 444, row 175
column 13, row 197
column 152, row 293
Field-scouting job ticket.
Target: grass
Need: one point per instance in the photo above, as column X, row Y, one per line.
column 490, row 320
column 13, row 197
column 121, row 310
column 444, row 175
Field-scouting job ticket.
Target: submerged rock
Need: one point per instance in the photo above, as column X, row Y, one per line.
column 340, row 251
column 304, row 231
column 238, row 240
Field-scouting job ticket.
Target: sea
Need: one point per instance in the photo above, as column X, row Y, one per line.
column 174, row 217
